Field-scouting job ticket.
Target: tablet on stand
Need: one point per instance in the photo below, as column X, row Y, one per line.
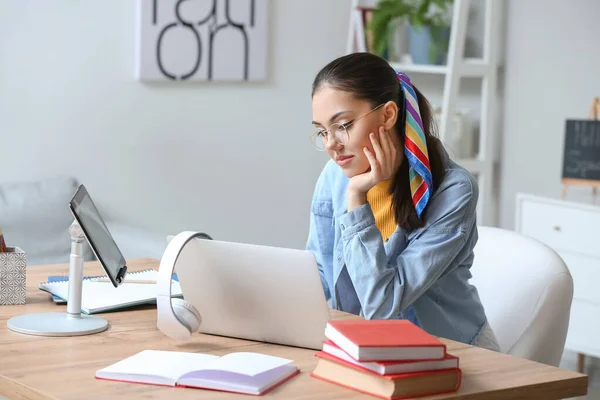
column 88, row 225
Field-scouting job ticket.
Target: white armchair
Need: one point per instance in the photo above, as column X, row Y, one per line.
column 526, row 290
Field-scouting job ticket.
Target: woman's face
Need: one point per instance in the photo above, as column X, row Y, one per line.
column 333, row 106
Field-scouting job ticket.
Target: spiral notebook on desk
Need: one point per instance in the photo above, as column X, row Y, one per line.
column 100, row 297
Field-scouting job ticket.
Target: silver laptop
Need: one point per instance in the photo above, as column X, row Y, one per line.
column 261, row 293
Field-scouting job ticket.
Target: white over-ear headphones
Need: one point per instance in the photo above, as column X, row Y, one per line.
column 176, row 318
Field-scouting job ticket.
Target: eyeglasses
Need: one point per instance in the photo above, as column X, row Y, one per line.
column 338, row 131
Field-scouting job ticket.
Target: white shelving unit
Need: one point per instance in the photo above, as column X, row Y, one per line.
column 486, row 68
column 473, row 68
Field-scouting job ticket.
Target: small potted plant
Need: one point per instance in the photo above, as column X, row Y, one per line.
column 428, row 27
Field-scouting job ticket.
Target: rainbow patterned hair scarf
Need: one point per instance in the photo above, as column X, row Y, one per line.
column 415, row 147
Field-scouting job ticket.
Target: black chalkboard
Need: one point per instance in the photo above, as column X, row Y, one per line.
column 581, row 158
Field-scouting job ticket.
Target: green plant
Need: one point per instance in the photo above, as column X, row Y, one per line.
column 430, row 13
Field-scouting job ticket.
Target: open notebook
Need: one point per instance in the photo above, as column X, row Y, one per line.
column 242, row 372
column 100, row 297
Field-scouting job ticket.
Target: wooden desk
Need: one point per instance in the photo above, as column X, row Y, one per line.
column 34, row 367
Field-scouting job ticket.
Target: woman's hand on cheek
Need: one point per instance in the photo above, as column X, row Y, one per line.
column 384, row 162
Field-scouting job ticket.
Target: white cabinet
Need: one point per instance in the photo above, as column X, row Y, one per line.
column 572, row 229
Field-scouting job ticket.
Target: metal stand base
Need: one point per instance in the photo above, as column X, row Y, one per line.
column 57, row 324
column 72, row 322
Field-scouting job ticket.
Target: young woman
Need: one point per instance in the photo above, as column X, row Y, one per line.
column 393, row 218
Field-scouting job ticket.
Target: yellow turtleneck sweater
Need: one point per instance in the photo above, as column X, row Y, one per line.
column 381, row 203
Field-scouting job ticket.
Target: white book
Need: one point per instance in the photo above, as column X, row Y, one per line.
column 393, row 367
column 97, row 297
column 241, row 372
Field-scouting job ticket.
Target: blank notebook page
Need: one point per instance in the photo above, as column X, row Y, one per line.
column 166, row 364
column 247, row 363
column 244, row 372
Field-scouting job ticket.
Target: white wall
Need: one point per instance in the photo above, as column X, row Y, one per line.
column 230, row 159
column 552, row 73
column 225, row 157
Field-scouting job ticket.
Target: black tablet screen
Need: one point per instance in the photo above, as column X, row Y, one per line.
column 98, row 235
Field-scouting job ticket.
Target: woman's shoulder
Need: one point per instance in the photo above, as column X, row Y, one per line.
column 454, row 202
column 458, row 181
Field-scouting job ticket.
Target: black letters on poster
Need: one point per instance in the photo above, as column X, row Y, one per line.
column 213, row 27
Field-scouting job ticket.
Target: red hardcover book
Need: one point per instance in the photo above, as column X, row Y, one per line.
column 384, row 340
column 392, row 387
column 392, row 367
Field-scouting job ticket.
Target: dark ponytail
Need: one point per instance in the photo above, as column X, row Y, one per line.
column 369, row 77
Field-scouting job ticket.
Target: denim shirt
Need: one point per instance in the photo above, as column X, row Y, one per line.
column 426, row 268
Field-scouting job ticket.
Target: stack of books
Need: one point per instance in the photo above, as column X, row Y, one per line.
column 391, row 359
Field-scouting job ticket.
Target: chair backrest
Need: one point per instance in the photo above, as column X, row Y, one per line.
column 526, row 290
column 35, row 217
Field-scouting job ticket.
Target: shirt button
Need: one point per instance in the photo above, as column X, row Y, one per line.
column 342, row 226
